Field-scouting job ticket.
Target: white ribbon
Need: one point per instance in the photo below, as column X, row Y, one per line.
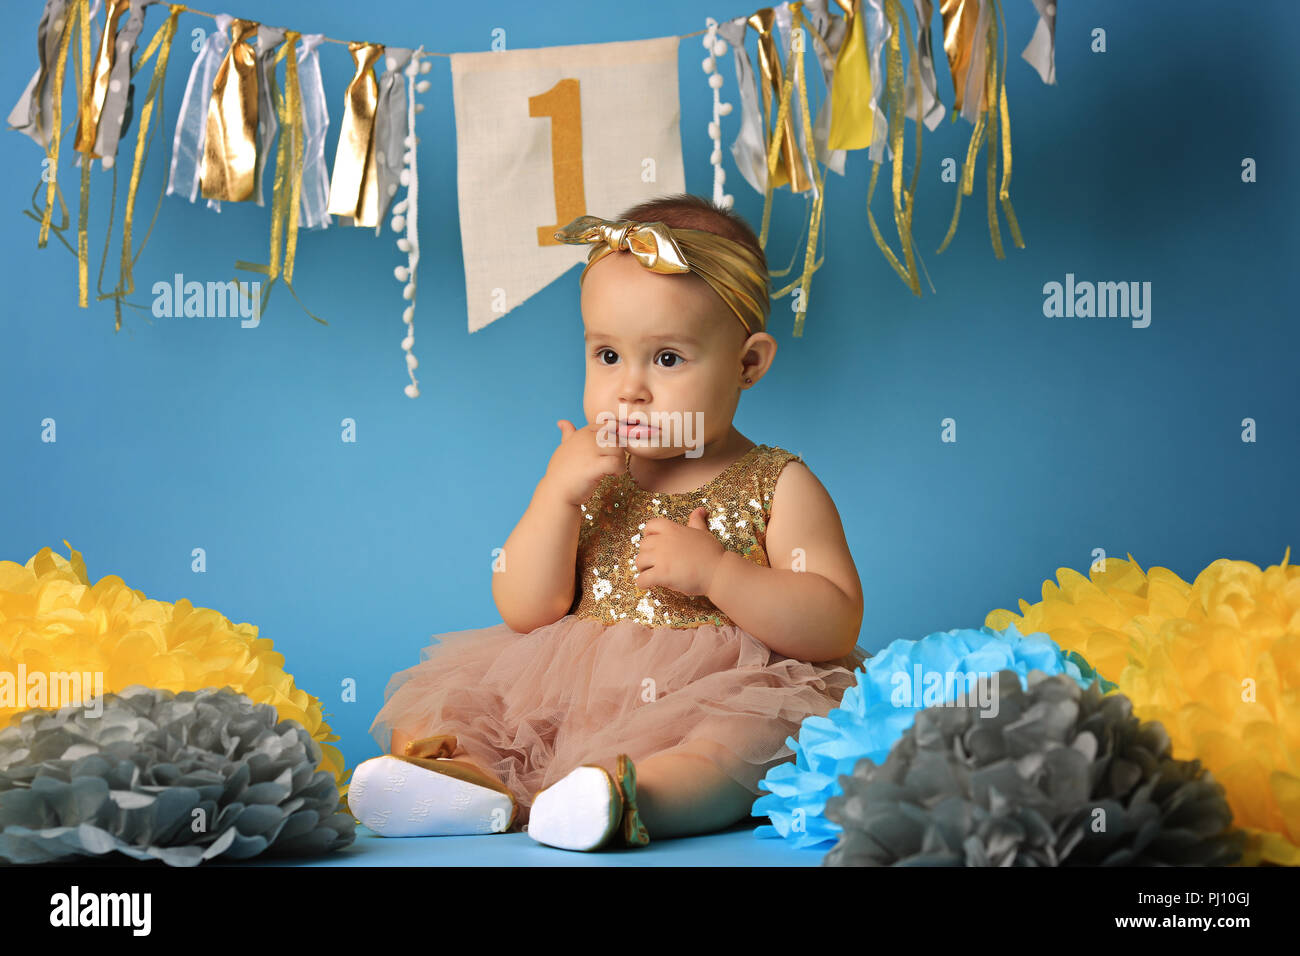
column 192, row 123
column 268, row 123
column 315, row 124
column 749, row 149
column 1041, row 52
column 831, row 30
column 931, row 109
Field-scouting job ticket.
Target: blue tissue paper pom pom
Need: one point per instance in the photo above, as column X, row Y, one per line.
column 892, row 687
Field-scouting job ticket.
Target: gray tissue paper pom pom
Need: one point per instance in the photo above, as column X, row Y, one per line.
column 177, row 777
column 1059, row 776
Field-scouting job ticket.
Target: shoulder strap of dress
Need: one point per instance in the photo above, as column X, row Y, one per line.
column 768, row 468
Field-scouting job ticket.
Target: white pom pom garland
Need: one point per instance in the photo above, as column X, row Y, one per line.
column 716, row 47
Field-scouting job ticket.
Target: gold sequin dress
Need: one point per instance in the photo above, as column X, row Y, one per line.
column 627, row 670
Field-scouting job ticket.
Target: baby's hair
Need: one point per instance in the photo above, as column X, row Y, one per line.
column 685, row 211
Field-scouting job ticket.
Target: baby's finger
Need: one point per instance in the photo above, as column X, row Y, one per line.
column 566, row 428
column 657, row 526
column 644, row 559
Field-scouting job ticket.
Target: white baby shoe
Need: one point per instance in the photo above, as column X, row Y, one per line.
column 588, row 810
column 413, row 796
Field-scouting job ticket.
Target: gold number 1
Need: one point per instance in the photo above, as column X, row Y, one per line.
column 562, row 105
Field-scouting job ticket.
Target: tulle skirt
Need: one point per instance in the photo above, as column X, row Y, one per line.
column 532, row 707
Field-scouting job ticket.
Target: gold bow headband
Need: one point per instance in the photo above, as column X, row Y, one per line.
column 732, row 269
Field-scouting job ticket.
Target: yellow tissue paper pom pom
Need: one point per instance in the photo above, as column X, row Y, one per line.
column 1217, row 662
column 53, row 620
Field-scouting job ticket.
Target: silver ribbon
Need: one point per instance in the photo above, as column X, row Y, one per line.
column 268, row 123
column 1041, row 52
column 315, row 124
column 877, row 32
column 116, row 115
column 748, row 149
column 390, row 127
column 932, row 110
column 831, row 30
column 192, row 123
column 32, row 114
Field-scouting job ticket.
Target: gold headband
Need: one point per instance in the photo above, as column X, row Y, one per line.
column 731, row 268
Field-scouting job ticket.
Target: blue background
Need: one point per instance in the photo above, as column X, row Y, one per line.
column 1073, row 433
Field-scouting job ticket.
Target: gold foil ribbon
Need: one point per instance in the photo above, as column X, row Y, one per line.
column 995, row 91
column 960, row 18
column 852, row 118
column 92, row 100
column 354, row 187
column 160, row 44
column 790, row 169
column 903, row 198
column 230, row 147
column 287, row 194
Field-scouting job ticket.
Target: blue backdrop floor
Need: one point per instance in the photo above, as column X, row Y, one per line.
column 736, row 846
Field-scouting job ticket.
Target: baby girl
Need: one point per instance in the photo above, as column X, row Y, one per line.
column 675, row 600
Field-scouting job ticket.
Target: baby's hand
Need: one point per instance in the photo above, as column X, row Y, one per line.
column 680, row 557
column 580, row 462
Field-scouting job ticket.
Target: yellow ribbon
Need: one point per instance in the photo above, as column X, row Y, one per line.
column 354, row 187
column 160, row 44
column 229, row 162
column 287, row 194
column 903, row 198
column 995, row 91
column 92, row 100
column 83, row 85
column 852, row 118
column 731, row 268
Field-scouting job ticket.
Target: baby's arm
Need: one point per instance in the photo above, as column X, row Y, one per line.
column 813, row 614
column 535, row 587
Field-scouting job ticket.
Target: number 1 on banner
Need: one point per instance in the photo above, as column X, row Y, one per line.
column 562, row 104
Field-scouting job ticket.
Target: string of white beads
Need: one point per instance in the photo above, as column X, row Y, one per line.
column 716, row 47
column 406, row 213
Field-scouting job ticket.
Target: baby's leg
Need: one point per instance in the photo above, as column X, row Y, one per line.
column 683, row 793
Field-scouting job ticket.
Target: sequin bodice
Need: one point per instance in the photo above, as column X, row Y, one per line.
column 739, row 500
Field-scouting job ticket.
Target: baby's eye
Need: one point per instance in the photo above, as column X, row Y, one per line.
column 677, row 359
column 601, row 353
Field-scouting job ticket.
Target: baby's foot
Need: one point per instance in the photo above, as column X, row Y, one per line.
column 588, row 810
column 413, row 796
